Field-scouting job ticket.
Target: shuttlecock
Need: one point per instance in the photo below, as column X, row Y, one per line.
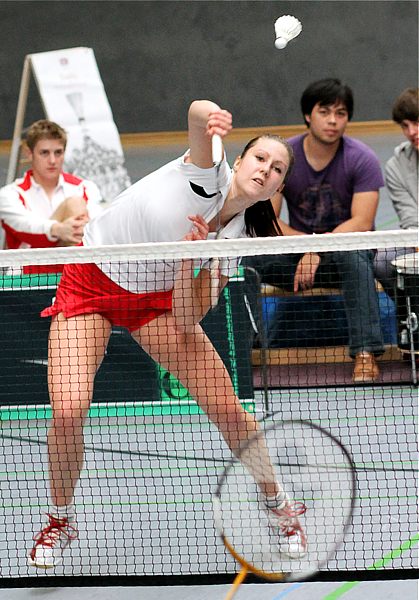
column 286, row 29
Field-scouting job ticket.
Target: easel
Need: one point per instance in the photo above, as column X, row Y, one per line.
column 20, row 115
column 65, row 78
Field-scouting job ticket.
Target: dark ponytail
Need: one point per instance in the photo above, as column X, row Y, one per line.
column 260, row 220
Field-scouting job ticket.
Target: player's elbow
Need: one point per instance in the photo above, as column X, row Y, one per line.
column 363, row 223
column 366, row 226
column 200, row 109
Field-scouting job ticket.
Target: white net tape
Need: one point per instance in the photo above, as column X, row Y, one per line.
column 211, row 248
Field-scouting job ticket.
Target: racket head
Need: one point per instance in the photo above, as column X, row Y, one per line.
column 314, row 468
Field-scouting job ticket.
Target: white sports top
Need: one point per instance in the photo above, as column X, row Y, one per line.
column 156, row 209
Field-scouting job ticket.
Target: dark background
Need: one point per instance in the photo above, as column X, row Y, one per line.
column 156, row 56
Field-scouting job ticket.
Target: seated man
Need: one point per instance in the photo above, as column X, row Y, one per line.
column 401, row 174
column 47, row 207
column 333, row 188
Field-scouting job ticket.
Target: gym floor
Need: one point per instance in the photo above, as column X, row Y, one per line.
column 140, row 161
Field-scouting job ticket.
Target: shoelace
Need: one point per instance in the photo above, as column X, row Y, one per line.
column 49, row 535
column 286, row 518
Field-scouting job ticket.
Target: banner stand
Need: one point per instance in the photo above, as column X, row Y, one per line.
column 73, row 95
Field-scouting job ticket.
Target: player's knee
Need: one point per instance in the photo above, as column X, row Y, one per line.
column 68, row 419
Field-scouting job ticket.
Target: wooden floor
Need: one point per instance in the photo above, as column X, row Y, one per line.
column 313, row 356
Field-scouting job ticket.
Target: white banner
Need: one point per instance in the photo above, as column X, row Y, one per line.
column 73, row 96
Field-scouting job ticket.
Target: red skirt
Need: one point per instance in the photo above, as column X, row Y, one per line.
column 85, row 289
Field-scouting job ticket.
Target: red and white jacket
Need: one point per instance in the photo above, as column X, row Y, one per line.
column 25, row 208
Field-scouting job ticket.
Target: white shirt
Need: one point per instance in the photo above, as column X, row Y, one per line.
column 156, row 209
column 25, row 208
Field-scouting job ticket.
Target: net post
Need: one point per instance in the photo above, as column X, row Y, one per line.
column 411, row 324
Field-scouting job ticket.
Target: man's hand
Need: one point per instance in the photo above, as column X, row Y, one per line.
column 70, row 231
column 306, row 271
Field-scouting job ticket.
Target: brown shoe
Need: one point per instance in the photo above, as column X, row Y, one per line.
column 366, row 368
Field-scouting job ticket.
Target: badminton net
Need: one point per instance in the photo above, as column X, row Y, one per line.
column 153, row 458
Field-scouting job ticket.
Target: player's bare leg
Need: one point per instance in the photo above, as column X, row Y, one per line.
column 76, row 349
column 193, row 360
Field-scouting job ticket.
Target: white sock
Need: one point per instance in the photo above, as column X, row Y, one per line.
column 277, row 501
column 64, row 512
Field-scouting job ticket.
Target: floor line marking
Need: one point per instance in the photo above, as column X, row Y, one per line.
column 395, row 553
column 292, row 588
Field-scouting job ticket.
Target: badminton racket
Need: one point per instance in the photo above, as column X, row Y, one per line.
column 318, row 475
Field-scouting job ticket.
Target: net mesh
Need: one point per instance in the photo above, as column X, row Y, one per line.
column 152, row 453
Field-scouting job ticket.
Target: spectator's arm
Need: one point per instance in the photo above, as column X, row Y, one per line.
column 276, row 202
column 307, row 267
column 363, row 211
column 366, row 179
column 405, row 205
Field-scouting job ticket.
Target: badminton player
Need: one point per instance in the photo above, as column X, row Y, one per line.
column 162, row 304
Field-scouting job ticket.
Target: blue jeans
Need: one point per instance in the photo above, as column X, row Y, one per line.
column 353, row 273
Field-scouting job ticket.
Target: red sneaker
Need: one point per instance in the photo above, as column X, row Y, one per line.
column 292, row 540
column 51, row 542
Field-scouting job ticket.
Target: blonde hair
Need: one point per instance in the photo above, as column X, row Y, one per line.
column 45, row 130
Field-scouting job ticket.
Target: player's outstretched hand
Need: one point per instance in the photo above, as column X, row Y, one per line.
column 199, row 231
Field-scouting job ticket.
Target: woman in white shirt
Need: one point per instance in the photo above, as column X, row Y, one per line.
column 162, row 305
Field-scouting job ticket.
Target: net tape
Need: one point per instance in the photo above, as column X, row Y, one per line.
column 211, row 248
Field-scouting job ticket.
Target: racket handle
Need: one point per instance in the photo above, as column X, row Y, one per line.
column 237, row 583
column 217, row 149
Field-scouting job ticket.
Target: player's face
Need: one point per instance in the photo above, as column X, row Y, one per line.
column 261, row 171
column 411, row 131
column 328, row 123
column 47, row 160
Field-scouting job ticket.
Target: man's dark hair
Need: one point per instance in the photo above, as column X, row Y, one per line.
column 326, row 92
column 406, row 106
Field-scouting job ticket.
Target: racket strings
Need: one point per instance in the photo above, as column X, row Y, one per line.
column 300, row 536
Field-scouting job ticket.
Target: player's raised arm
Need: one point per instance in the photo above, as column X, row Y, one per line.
column 205, row 119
